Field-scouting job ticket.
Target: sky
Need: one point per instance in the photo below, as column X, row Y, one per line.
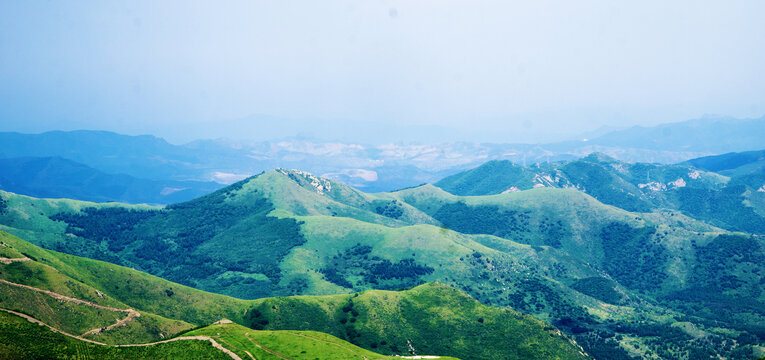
column 376, row 71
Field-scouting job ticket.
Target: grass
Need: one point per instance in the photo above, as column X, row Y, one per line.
column 381, row 321
column 293, row 344
column 431, row 318
column 547, row 252
column 17, row 334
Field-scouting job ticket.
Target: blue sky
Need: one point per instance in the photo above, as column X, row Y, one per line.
column 528, row 71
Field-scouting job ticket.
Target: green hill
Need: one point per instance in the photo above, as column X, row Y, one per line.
column 453, row 320
column 600, row 273
column 290, row 344
column 730, row 203
column 21, row 339
column 77, row 295
column 16, row 335
column 731, row 164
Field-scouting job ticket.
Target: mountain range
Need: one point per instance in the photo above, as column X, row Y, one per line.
column 625, row 270
column 373, row 168
column 95, row 309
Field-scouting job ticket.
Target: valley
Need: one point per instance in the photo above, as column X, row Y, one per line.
column 644, row 282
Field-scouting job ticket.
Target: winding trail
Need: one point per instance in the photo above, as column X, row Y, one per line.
column 214, row 343
column 6, row 261
column 131, row 314
column 38, row 322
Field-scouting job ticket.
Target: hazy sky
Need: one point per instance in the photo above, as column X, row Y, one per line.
column 478, row 70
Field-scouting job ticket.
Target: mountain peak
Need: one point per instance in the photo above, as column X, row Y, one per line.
column 599, row 157
column 308, row 180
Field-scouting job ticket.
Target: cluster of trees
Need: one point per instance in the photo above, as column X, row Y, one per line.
column 725, row 208
column 632, row 257
column 553, row 231
column 3, row 205
column 391, row 209
column 483, row 219
column 112, row 225
column 166, row 242
column 382, row 273
column 600, row 183
column 600, row 288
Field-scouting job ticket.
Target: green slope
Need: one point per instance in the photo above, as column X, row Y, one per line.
column 291, row 344
column 435, row 317
column 20, row 339
column 167, row 309
column 731, row 164
column 593, row 270
column 16, row 335
column 731, row 203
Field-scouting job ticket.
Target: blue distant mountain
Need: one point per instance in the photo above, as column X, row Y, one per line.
column 55, row 177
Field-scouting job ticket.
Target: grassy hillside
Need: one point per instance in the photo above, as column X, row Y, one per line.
column 731, row 164
column 731, row 203
column 17, row 336
column 596, row 271
column 453, row 320
column 76, row 295
column 291, row 344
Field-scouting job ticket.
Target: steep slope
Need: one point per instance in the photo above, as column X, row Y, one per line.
column 665, row 255
column 731, row 164
column 733, row 204
column 85, row 293
column 218, row 341
column 54, row 177
column 453, row 319
column 559, row 254
column 17, row 334
column 289, row 344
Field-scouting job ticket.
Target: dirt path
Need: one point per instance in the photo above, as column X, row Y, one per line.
column 328, row 342
column 274, row 353
column 120, row 322
column 203, row 338
column 214, row 343
column 131, row 314
column 235, row 347
column 6, row 261
column 38, row 322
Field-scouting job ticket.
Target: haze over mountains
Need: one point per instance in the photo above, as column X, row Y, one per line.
column 597, row 256
column 629, row 259
column 181, row 172
column 590, row 257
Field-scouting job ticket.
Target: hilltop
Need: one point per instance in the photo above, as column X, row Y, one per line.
column 102, row 303
column 734, row 203
column 592, row 269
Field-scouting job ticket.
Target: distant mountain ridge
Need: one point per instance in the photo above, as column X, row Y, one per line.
column 556, row 253
column 733, row 203
column 372, row 168
column 713, row 135
column 55, row 177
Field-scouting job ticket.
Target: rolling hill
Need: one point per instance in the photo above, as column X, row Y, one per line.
column 731, row 164
column 101, row 303
column 598, row 272
column 730, row 203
